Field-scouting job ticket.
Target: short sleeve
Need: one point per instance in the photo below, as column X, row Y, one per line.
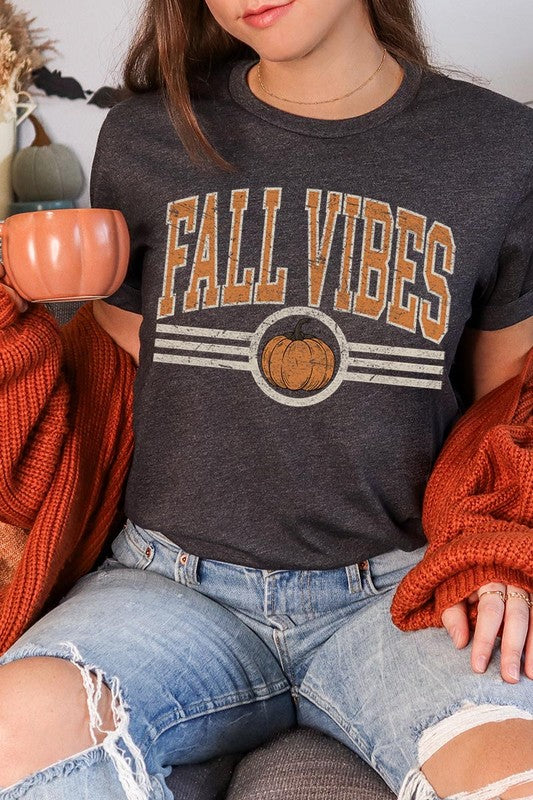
column 508, row 298
column 104, row 192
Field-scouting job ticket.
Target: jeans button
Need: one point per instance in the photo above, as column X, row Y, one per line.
column 363, row 565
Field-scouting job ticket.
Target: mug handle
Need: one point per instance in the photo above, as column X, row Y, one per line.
column 29, row 107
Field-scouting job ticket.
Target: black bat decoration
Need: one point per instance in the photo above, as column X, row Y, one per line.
column 54, row 83
column 108, row 96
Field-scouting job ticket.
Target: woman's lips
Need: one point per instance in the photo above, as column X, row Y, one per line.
column 267, row 17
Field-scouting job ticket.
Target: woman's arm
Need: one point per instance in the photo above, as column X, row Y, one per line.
column 486, row 359
column 34, row 408
column 122, row 326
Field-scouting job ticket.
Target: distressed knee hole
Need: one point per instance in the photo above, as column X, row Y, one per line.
column 468, row 716
column 437, row 772
column 131, row 770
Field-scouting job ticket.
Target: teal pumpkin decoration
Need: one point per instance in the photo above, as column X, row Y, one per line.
column 46, row 171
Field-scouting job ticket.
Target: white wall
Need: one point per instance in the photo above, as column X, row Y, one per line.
column 491, row 38
column 92, row 35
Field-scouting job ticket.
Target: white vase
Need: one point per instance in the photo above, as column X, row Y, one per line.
column 8, row 146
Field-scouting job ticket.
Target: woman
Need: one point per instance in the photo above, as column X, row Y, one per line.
column 311, row 235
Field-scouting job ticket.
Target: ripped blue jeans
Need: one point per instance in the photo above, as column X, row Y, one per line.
column 205, row 658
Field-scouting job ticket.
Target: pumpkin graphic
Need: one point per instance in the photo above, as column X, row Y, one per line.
column 295, row 361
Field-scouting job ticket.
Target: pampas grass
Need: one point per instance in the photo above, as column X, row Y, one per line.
column 20, row 54
column 10, row 68
column 24, row 38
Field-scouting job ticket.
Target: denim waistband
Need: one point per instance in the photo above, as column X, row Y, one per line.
column 190, row 568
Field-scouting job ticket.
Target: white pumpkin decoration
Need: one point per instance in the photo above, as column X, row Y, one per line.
column 46, row 171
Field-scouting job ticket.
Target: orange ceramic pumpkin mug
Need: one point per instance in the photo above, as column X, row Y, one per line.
column 65, row 253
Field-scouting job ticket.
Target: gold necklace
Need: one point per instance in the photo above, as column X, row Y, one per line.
column 317, row 102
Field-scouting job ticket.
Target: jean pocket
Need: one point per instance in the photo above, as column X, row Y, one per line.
column 131, row 548
column 384, row 572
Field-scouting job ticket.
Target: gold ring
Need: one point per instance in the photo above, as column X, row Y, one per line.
column 493, row 591
column 523, row 596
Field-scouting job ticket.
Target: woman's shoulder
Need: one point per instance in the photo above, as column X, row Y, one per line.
column 478, row 97
column 135, row 107
column 139, row 111
column 464, row 107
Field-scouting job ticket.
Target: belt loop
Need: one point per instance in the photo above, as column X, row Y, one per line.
column 353, row 576
column 186, row 568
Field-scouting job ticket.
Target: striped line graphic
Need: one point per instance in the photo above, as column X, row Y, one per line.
column 212, row 333
column 367, row 363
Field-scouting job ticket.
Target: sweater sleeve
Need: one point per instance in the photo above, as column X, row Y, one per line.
column 477, row 509
column 34, row 407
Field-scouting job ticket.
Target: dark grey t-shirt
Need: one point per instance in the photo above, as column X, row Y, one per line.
column 302, row 313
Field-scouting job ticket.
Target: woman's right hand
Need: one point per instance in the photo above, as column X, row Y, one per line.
column 19, row 301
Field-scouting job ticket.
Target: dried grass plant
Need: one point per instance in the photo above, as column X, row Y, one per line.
column 21, row 52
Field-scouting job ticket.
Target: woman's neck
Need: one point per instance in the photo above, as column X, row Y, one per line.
column 345, row 59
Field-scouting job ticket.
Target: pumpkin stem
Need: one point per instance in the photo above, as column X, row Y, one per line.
column 298, row 334
column 41, row 137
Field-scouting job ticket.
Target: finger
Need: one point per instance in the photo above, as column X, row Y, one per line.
column 528, row 651
column 455, row 620
column 515, row 628
column 489, row 618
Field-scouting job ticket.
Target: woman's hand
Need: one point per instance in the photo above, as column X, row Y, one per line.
column 21, row 304
column 517, row 630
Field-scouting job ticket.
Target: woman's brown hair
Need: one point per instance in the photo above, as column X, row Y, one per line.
column 178, row 42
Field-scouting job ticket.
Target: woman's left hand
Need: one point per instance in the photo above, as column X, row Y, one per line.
column 517, row 631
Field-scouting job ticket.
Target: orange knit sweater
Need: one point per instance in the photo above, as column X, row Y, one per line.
column 66, row 443
column 478, row 508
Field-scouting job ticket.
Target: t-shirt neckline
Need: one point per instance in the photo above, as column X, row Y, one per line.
column 242, row 94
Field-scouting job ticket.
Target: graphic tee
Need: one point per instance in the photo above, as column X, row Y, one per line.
column 301, row 312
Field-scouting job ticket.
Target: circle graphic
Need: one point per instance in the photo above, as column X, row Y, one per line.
column 270, row 390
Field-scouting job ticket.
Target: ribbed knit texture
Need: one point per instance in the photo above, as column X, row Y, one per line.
column 305, row 764
column 478, row 508
column 66, row 442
